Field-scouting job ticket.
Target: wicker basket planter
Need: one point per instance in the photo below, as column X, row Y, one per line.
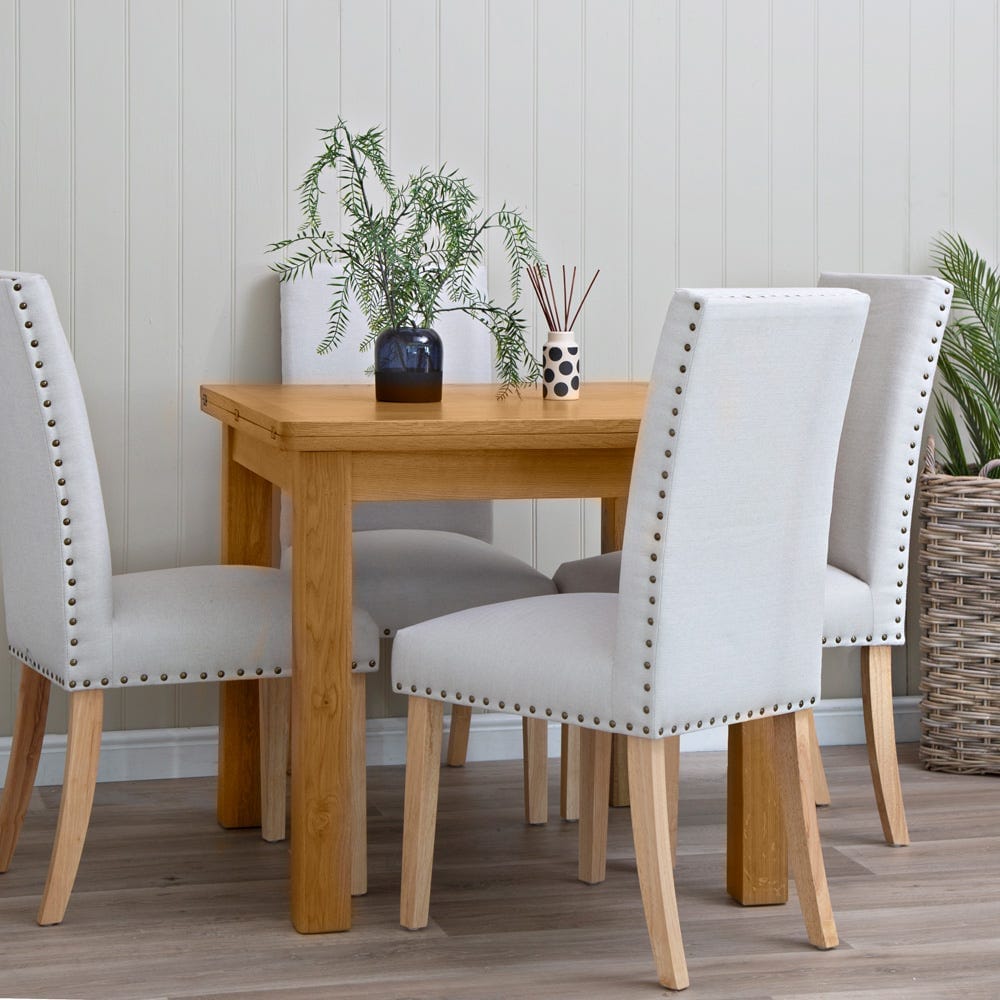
column 960, row 622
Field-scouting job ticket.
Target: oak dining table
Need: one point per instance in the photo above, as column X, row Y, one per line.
column 329, row 447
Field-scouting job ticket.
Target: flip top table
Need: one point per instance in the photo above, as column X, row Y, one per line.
column 330, row 446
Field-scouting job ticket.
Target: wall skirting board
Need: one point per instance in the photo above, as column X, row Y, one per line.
column 136, row 755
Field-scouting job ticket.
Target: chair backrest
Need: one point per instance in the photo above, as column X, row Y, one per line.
column 721, row 599
column 879, row 448
column 468, row 357
column 53, row 531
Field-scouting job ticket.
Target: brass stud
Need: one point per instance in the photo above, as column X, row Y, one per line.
column 645, row 729
column 72, row 663
column 104, row 682
column 240, row 671
column 597, row 721
column 579, row 718
column 259, row 671
column 697, row 305
column 34, row 343
column 486, row 701
column 144, row 677
column 163, row 677
column 502, row 704
column 123, row 679
column 74, row 642
column 72, row 621
column 72, row 684
column 221, row 674
column 183, row 675
column 28, row 325
column 628, row 726
column 38, row 364
column 71, row 602
column 55, row 442
column 517, row 707
column 612, row 723
column 24, row 305
column 565, row 715
column 86, row 684
column 17, row 286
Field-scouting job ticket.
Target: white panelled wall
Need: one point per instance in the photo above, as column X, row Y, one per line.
column 149, row 152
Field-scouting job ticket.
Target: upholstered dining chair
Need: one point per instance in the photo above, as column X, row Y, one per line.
column 719, row 606
column 865, row 587
column 72, row 623
column 415, row 560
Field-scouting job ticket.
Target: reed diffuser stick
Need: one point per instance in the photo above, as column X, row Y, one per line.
column 540, row 277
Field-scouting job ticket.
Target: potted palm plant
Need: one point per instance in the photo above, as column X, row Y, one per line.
column 960, row 528
column 408, row 252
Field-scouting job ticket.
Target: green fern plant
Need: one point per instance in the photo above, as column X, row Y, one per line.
column 970, row 359
column 428, row 237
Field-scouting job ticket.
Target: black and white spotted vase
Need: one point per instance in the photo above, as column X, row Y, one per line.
column 561, row 366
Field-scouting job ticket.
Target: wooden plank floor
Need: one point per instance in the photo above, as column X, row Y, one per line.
column 169, row 905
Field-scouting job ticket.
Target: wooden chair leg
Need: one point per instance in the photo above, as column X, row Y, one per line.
column 880, row 735
column 458, row 735
column 820, row 788
column 425, row 720
column 793, row 771
column 535, row 735
column 672, row 766
column 595, row 773
column 275, row 699
column 25, row 752
column 83, row 748
column 647, row 769
column 569, row 773
column 359, row 788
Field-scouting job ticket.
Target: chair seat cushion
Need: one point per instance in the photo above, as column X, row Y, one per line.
column 222, row 621
column 407, row 575
column 522, row 656
column 848, row 614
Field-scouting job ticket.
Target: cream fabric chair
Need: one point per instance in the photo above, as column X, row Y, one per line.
column 719, row 609
column 69, row 621
column 413, row 560
column 865, row 587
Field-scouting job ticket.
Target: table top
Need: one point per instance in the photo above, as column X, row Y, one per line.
column 347, row 417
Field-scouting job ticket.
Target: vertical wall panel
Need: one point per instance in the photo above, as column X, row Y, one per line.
column 206, row 305
column 8, row 261
column 931, row 125
column 153, row 267
column 462, row 90
column 748, row 143
column 885, row 136
column 700, row 144
column 558, row 218
column 45, row 167
column 654, row 177
column 793, row 142
column 975, row 113
column 510, row 164
column 413, row 86
column 45, row 147
column 839, row 159
column 99, row 253
column 259, row 184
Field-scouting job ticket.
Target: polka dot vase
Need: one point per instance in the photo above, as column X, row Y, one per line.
column 561, row 366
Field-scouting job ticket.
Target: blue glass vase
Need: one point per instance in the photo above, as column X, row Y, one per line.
column 408, row 365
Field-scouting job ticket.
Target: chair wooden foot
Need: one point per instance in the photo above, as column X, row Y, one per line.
column 569, row 773
column 275, row 697
column 820, row 787
column 25, row 752
column 651, row 832
column 618, row 792
column 793, row 771
column 359, row 787
column 880, row 735
column 535, row 735
column 425, row 720
column 595, row 773
column 83, row 748
column 672, row 766
column 458, row 735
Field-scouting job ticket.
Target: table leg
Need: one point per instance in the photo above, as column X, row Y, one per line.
column 612, row 537
column 757, row 853
column 320, row 871
column 246, row 541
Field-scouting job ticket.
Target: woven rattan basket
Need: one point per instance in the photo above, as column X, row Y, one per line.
column 959, row 622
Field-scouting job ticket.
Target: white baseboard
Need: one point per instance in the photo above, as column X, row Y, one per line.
column 141, row 754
